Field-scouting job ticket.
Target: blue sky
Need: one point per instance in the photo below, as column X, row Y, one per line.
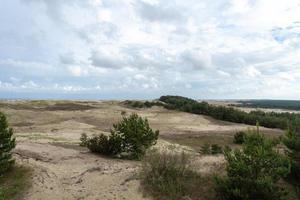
column 141, row 49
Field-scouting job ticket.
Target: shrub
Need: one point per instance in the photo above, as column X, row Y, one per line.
column 211, row 149
column 205, row 149
column 106, row 145
column 132, row 136
column 292, row 141
column 168, row 175
column 216, row 149
column 7, row 143
column 253, row 171
column 239, row 137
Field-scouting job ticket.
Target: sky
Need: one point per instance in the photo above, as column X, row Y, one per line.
column 142, row 49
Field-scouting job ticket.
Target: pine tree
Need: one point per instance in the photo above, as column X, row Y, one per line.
column 7, row 143
column 254, row 171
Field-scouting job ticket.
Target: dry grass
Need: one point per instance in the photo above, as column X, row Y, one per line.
column 169, row 176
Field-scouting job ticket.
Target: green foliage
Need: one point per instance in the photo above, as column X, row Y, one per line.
column 107, row 145
column 205, row 149
column 7, row 143
column 1, row 194
column 253, row 171
column 216, row 149
column 292, row 141
column 132, row 137
column 281, row 104
column 266, row 119
column 14, row 182
column 168, row 176
column 239, row 137
column 84, row 140
column 141, row 104
column 211, row 149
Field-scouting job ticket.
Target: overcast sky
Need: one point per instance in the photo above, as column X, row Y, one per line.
column 110, row 49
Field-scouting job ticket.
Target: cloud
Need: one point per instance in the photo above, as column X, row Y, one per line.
column 158, row 12
column 145, row 48
column 106, row 60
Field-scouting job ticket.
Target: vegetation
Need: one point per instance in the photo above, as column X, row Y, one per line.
column 170, row 176
column 141, row 104
column 7, row 143
column 266, row 119
column 14, row 182
column 292, row 142
column 211, row 149
column 254, row 171
column 131, row 138
column 280, row 104
column 239, row 137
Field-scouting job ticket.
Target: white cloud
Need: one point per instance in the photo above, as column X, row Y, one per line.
column 213, row 49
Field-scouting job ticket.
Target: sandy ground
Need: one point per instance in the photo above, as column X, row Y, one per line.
column 48, row 134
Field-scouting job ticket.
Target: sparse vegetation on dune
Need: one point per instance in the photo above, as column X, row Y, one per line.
column 170, row 176
column 255, row 169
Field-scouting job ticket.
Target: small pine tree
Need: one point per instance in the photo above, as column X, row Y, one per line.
column 252, row 173
column 136, row 134
column 7, row 143
column 132, row 136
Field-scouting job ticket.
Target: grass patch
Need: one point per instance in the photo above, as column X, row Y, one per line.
column 168, row 176
column 38, row 136
column 197, row 141
column 15, row 182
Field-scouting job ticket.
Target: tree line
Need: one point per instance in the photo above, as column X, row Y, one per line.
column 266, row 119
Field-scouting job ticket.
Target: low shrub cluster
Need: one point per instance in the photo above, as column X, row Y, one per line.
column 167, row 175
column 266, row 119
column 239, row 137
column 254, row 171
column 211, row 149
column 129, row 138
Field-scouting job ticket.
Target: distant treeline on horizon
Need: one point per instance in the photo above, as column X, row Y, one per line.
column 278, row 104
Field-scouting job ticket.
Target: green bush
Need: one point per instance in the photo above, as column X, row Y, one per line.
column 216, row 149
column 239, row 137
column 253, row 171
column 131, row 137
column 7, row 143
column 211, row 149
column 205, row 149
column 168, row 176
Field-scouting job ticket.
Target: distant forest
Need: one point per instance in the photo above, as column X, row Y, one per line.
column 266, row 119
column 280, row 104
